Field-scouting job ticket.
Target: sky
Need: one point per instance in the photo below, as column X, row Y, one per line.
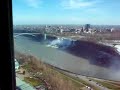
column 98, row 12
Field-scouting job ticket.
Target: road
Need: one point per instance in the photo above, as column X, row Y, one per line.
column 91, row 82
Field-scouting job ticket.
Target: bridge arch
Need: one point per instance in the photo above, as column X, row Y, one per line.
column 32, row 34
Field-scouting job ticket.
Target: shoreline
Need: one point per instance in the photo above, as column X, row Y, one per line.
column 73, row 76
column 67, row 71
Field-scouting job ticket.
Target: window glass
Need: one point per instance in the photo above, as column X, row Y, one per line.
column 67, row 44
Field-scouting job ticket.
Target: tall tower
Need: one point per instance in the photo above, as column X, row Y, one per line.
column 87, row 27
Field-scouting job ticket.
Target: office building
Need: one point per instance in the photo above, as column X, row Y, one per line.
column 87, row 27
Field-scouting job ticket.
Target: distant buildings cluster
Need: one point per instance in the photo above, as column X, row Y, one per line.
column 87, row 28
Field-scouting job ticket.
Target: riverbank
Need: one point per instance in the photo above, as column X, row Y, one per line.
column 82, row 58
column 52, row 77
column 59, row 79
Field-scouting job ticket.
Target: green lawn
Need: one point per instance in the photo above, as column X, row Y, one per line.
column 32, row 81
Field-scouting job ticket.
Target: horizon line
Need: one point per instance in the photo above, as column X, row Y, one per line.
column 68, row 24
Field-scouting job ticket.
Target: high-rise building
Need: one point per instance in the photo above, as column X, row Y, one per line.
column 87, row 27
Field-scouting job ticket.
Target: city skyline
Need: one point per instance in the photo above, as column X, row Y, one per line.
column 97, row 12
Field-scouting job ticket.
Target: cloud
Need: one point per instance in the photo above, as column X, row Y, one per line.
column 34, row 3
column 72, row 4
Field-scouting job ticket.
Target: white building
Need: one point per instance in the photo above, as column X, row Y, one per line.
column 112, row 29
column 61, row 30
column 16, row 65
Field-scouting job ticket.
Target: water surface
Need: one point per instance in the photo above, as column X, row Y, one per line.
column 63, row 59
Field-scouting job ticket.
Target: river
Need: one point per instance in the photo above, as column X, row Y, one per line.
column 63, row 59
